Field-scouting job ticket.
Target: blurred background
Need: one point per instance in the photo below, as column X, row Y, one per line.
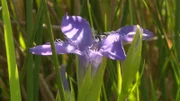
column 160, row 79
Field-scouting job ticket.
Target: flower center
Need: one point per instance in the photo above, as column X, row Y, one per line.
column 58, row 41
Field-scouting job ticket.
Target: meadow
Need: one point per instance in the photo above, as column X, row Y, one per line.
column 149, row 70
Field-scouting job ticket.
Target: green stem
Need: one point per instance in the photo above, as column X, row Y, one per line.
column 29, row 58
column 56, row 63
column 119, row 77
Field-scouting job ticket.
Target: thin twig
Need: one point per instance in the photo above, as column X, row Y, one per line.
column 46, row 89
column 51, row 76
column 3, row 59
column 24, row 94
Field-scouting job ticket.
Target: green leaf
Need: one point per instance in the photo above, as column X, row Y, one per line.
column 91, row 86
column 131, row 65
column 29, row 59
column 54, row 55
column 85, row 86
column 94, row 92
column 177, row 28
column 11, row 57
column 38, row 39
column 153, row 90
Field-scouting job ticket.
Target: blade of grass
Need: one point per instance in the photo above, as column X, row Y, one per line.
column 97, row 82
column 104, row 93
column 72, row 90
column 90, row 14
column 131, row 11
column 144, row 89
column 91, row 86
column 137, row 88
column 153, row 90
column 176, row 72
column 85, row 86
column 143, row 85
column 90, row 11
column 177, row 28
column 177, row 42
column 54, row 55
column 118, row 11
column 119, row 76
column 112, row 78
column 124, row 13
column 131, row 64
column 11, row 58
column 178, row 95
column 27, row 66
column 29, row 59
column 38, row 31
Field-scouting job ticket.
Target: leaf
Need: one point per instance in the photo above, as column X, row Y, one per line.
column 91, row 86
column 132, row 63
column 84, row 86
column 97, row 82
column 15, row 91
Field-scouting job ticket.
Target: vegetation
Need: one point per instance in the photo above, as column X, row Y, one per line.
column 150, row 72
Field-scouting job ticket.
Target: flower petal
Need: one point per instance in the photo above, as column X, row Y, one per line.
column 128, row 32
column 61, row 48
column 90, row 58
column 77, row 30
column 95, row 57
column 83, row 64
column 111, row 47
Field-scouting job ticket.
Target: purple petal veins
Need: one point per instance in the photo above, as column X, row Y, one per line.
column 77, row 30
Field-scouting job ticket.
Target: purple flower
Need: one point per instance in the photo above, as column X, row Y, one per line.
column 80, row 41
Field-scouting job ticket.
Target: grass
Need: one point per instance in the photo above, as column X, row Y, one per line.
column 151, row 74
column 15, row 93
